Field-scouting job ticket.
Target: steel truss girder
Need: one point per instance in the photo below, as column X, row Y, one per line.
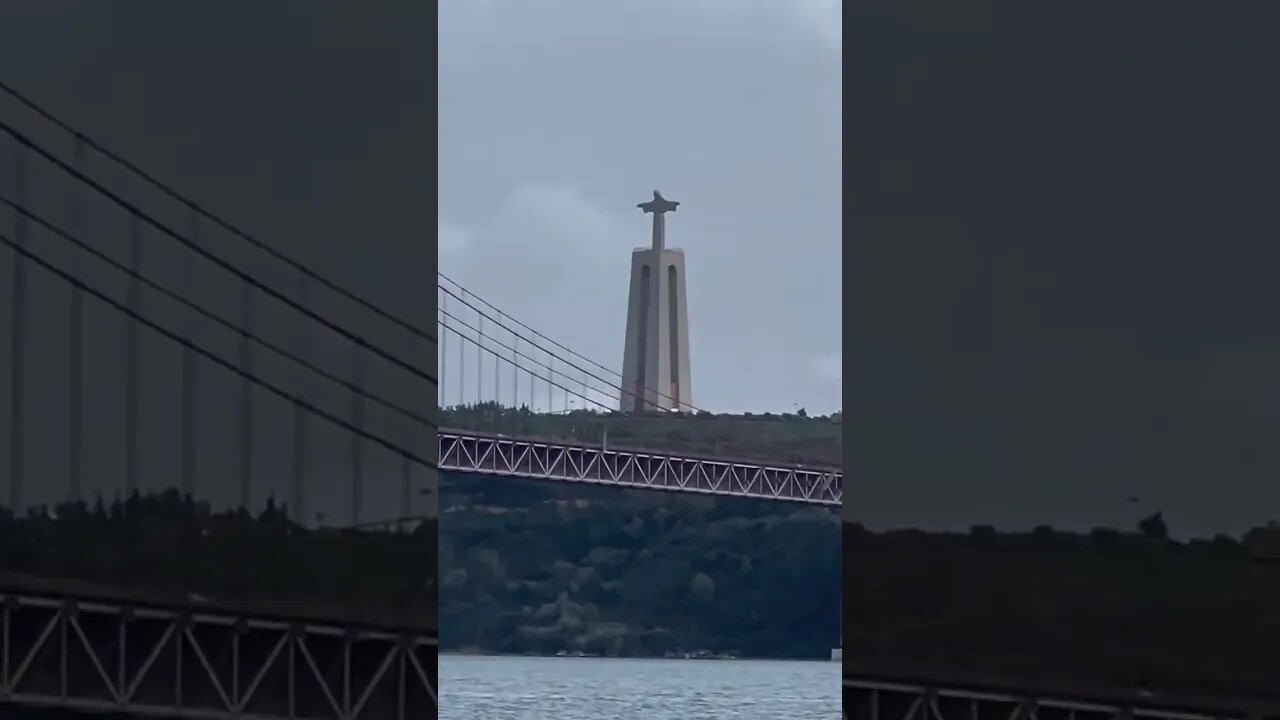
column 486, row 455
column 883, row 700
column 153, row 661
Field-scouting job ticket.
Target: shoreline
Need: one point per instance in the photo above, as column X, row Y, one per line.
column 478, row 654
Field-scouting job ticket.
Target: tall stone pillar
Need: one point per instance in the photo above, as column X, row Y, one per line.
column 655, row 366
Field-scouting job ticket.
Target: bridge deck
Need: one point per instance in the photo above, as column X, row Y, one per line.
column 878, row 692
column 292, row 610
column 73, row 646
column 473, row 452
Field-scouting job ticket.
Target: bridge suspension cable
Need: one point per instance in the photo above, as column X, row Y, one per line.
column 450, row 321
column 480, row 336
column 193, row 352
column 226, row 225
column 535, row 333
column 227, row 266
column 614, row 387
column 214, row 317
column 213, row 357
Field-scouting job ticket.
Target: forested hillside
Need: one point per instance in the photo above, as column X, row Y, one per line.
column 1132, row 609
column 169, row 546
column 537, row 567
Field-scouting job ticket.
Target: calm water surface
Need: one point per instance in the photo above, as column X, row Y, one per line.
column 520, row 688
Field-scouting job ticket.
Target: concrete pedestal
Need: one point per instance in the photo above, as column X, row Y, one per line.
column 655, row 364
column 655, row 368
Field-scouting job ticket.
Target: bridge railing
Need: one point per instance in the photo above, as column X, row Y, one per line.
column 84, row 650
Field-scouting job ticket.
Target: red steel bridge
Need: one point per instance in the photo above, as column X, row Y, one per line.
column 488, row 358
column 546, row 459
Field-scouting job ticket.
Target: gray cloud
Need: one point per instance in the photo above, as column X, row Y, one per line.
column 557, row 118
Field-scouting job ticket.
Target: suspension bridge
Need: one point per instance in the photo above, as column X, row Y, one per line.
column 78, row 645
column 486, row 356
column 225, row 397
column 89, row 233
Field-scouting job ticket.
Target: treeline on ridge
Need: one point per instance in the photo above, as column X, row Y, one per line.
column 790, row 438
column 1133, row 609
column 168, row 545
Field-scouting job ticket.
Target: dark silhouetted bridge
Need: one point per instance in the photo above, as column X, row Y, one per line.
column 93, row 274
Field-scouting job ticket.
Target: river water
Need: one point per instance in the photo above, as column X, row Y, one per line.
column 524, row 688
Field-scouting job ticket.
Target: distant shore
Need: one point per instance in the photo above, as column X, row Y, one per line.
column 478, row 654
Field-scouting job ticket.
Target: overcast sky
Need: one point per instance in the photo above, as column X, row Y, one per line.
column 557, row 117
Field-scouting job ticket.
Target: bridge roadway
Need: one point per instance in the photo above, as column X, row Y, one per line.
column 73, row 646
column 469, row 451
column 873, row 692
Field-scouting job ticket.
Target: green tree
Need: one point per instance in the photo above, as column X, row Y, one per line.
column 703, row 588
column 1154, row 527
